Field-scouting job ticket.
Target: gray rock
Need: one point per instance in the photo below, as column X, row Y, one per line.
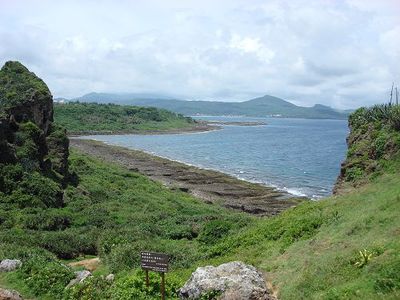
column 8, row 265
column 110, row 277
column 231, row 281
column 9, row 295
column 80, row 277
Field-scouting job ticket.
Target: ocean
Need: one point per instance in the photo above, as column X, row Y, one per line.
column 299, row 156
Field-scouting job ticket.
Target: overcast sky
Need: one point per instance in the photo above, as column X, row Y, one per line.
column 340, row 53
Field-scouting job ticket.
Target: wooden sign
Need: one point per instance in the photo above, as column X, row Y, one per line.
column 157, row 262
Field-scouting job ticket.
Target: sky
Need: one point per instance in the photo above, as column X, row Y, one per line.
column 344, row 54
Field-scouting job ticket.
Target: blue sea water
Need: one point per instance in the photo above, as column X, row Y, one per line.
column 300, row 156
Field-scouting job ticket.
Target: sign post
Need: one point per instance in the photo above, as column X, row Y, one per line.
column 156, row 262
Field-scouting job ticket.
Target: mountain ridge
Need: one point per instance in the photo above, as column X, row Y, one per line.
column 257, row 107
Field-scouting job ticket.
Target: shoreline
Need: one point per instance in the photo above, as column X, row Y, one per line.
column 195, row 129
column 202, row 126
column 210, row 186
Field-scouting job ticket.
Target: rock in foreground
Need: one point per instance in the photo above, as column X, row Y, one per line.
column 231, row 281
column 80, row 277
column 9, row 295
column 8, row 265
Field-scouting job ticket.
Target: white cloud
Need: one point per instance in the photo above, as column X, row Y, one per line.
column 252, row 45
column 340, row 53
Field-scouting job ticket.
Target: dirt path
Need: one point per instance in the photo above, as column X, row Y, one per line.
column 210, row 186
column 90, row 264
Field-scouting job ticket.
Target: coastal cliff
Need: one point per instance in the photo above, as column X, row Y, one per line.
column 373, row 146
column 33, row 149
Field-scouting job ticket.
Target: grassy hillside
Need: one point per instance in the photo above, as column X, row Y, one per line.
column 309, row 252
column 313, row 251
column 263, row 106
column 96, row 118
column 112, row 213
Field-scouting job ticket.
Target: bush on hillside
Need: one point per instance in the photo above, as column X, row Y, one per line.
column 381, row 114
column 69, row 244
column 133, row 286
column 49, row 220
column 214, row 230
column 45, row 276
column 23, row 253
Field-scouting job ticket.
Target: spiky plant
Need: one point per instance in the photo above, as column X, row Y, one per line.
column 365, row 257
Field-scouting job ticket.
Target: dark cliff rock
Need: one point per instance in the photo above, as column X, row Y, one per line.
column 32, row 147
column 7, row 151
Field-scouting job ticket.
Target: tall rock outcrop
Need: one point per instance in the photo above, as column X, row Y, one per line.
column 29, row 139
column 373, row 146
column 24, row 96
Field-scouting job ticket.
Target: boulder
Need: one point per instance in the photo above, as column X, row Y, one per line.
column 230, row 281
column 8, row 265
column 9, row 295
column 110, row 277
column 80, row 276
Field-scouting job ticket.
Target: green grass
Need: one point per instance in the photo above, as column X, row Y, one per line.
column 311, row 251
column 112, row 213
column 108, row 118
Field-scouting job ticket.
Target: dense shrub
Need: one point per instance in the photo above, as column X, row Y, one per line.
column 384, row 114
column 93, row 288
column 45, row 276
column 10, row 176
column 68, row 244
column 50, row 219
column 133, row 286
column 124, row 257
column 88, row 117
column 17, row 251
column 45, row 189
column 28, row 143
column 214, row 230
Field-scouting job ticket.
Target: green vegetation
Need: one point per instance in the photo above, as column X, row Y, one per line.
column 110, row 118
column 18, row 85
column 313, row 250
column 309, row 252
column 374, row 143
column 115, row 214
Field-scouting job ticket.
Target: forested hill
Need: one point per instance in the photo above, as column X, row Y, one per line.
column 259, row 107
column 111, row 118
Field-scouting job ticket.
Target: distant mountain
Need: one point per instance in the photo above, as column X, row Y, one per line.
column 121, row 98
column 258, row 107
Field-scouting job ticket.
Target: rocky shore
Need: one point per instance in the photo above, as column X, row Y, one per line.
column 207, row 185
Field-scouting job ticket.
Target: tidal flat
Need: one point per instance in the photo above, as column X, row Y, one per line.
column 208, row 185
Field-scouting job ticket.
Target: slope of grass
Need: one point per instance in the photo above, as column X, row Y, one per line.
column 112, row 213
column 308, row 252
column 313, row 250
column 110, row 118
